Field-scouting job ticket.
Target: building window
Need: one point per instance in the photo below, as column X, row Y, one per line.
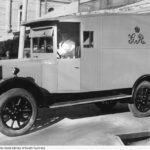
column 51, row 9
column 88, row 39
column 109, row 2
column 19, row 16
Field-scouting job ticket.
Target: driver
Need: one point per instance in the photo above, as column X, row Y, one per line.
column 66, row 47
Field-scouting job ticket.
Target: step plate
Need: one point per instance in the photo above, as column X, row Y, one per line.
column 91, row 100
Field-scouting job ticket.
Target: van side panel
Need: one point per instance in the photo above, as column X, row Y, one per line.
column 125, row 50
column 121, row 51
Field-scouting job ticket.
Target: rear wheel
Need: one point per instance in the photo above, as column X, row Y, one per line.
column 106, row 105
column 141, row 100
column 18, row 111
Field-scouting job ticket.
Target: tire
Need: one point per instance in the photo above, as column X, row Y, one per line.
column 18, row 111
column 141, row 100
column 106, row 105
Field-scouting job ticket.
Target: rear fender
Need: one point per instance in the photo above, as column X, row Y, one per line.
column 139, row 80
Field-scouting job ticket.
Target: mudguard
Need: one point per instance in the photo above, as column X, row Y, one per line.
column 145, row 77
column 25, row 83
column 141, row 79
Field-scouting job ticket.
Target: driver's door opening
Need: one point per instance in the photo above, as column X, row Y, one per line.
column 68, row 40
column 68, row 56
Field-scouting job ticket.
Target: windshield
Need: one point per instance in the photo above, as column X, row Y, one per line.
column 43, row 45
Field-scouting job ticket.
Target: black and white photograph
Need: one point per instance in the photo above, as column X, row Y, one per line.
column 74, row 73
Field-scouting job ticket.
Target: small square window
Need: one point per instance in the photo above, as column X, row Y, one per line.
column 88, row 39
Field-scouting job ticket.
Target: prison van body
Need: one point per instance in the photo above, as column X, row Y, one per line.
column 114, row 53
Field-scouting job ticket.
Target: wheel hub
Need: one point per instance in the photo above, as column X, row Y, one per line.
column 142, row 99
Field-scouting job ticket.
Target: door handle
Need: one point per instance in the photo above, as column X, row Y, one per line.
column 77, row 67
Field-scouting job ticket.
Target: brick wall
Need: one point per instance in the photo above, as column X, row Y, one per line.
column 31, row 15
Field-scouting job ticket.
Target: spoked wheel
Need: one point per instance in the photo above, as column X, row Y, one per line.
column 141, row 100
column 18, row 112
column 106, row 105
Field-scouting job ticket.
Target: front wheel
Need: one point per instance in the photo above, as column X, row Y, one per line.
column 18, row 111
column 141, row 100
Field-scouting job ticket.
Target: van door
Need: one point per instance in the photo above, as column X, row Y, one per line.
column 69, row 74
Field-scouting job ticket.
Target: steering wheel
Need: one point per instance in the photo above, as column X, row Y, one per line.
column 58, row 54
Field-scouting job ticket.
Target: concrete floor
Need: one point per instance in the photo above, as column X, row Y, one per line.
column 81, row 125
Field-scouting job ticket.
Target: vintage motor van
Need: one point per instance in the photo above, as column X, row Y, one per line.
column 77, row 59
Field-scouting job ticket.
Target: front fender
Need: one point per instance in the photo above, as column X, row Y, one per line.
column 25, row 83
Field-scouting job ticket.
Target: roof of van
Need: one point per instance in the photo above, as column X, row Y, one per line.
column 40, row 22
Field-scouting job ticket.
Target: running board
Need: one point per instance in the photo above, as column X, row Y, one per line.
column 91, row 100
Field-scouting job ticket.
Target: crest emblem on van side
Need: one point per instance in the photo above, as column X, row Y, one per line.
column 136, row 37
